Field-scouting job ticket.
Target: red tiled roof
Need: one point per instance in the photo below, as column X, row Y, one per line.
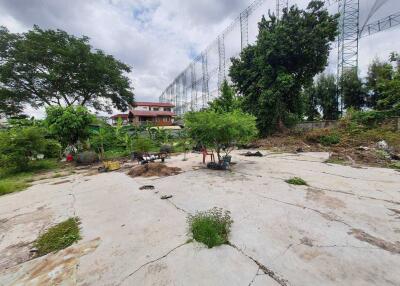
column 151, row 113
column 154, row 104
column 119, row 116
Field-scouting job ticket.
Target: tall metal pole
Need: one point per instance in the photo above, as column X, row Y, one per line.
column 348, row 40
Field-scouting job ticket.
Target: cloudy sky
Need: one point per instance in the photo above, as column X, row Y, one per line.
column 159, row 38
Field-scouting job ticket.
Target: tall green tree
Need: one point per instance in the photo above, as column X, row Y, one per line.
column 353, row 90
column 69, row 124
column 288, row 53
column 389, row 90
column 377, row 71
column 227, row 102
column 51, row 67
column 311, row 103
column 326, row 90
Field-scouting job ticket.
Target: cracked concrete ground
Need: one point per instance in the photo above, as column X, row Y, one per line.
column 342, row 229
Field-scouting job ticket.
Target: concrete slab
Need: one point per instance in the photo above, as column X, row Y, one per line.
column 341, row 229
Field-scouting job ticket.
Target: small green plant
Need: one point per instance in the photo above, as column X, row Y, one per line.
column 297, row 181
column 210, row 227
column 58, row 237
column 331, row 139
column 326, row 137
column 395, row 166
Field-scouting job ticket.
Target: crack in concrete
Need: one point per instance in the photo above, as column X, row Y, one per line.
column 327, row 216
column 152, row 261
column 178, row 208
column 354, row 178
column 355, row 195
column 262, row 267
column 255, row 276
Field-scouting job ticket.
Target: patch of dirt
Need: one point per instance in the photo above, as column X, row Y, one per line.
column 320, row 197
column 62, row 265
column 153, row 170
column 381, row 243
column 15, row 254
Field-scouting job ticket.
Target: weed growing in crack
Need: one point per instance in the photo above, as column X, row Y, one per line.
column 58, row 237
column 297, row 181
column 211, row 227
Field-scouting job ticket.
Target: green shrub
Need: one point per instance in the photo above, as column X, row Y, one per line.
column 52, row 149
column 58, row 237
column 395, row 166
column 69, row 124
column 143, row 144
column 331, row 139
column 18, row 146
column 326, row 137
column 211, row 227
column 297, row 181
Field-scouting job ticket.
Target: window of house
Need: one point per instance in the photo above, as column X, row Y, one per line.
column 167, row 109
column 156, row 109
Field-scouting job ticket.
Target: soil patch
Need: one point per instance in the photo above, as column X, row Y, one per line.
column 385, row 245
column 153, row 170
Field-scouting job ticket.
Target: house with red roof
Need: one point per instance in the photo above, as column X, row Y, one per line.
column 156, row 113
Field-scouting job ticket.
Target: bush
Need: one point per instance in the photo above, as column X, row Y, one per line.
column 323, row 136
column 296, row 181
column 87, row 157
column 18, row 146
column 210, row 227
column 58, row 237
column 69, row 124
column 52, row 149
column 143, row 145
column 367, row 118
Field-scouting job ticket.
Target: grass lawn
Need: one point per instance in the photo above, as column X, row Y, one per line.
column 11, row 181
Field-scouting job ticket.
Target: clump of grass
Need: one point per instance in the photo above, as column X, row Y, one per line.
column 395, row 166
column 211, row 227
column 58, row 237
column 8, row 186
column 296, row 181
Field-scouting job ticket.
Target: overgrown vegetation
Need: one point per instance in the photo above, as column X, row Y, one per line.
column 58, row 237
column 14, row 181
column 296, row 181
column 210, row 227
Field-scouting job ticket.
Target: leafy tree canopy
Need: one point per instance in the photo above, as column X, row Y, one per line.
column 324, row 94
column 51, row 67
column 227, row 102
column 377, row 71
column 221, row 131
column 353, row 91
column 389, row 90
column 69, row 124
column 288, row 53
